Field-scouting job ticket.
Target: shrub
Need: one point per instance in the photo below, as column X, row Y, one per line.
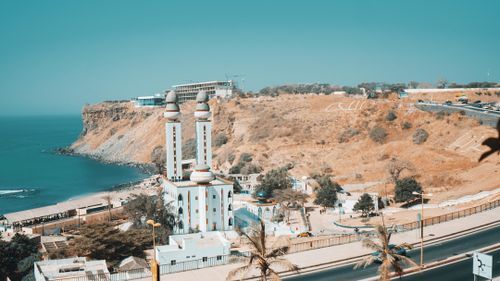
column 378, row 134
column 220, row 140
column 441, row 114
column 405, row 188
column 406, row 125
column 391, row 116
column 246, row 157
column 420, row 136
column 346, row 135
column 365, row 205
column 231, row 158
column 462, row 112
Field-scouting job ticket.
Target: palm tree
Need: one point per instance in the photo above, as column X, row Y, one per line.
column 388, row 255
column 263, row 256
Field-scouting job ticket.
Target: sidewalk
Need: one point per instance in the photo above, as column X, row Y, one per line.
column 340, row 252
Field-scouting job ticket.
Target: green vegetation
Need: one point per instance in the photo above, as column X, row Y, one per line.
column 326, row 194
column 420, row 136
column 378, row 134
column 406, row 125
column 143, row 207
column 405, row 188
column 365, row 205
column 17, row 257
column 388, row 256
column 288, row 199
column 274, row 180
column 391, row 116
column 106, row 242
column 263, row 255
column 245, row 165
column 347, row 134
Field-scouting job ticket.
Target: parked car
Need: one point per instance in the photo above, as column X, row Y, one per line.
column 420, row 101
column 477, row 102
column 447, row 102
column 305, row 234
column 400, row 251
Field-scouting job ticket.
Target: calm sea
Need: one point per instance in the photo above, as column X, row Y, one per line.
column 32, row 175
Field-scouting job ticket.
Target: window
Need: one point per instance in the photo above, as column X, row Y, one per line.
column 179, row 197
column 197, row 211
column 229, row 208
column 181, row 225
column 215, row 210
column 172, row 262
column 229, row 194
column 230, row 222
column 196, row 198
column 180, row 211
column 213, row 196
column 204, row 259
column 219, row 258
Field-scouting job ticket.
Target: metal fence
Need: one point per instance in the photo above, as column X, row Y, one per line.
column 295, row 247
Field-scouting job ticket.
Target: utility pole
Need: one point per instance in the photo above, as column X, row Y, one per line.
column 154, row 265
column 421, row 226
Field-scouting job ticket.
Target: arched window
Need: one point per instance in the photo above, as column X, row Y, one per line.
column 229, row 194
column 179, row 197
column 180, row 225
column 229, row 208
column 230, row 222
column 180, row 211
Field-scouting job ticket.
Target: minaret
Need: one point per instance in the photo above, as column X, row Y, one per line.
column 173, row 138
column 203, row 130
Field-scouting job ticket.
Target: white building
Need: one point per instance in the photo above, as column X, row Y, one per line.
column 247, row 182
column 71, row 268
column 202, row 203
column 222, row 89
column 347, row 201
column 149, row 101
column 206, row 249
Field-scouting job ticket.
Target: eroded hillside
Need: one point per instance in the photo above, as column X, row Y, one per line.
column 317, row 134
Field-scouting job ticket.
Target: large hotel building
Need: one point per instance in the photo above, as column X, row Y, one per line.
column 187, row 92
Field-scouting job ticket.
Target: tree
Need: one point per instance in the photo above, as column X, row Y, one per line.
column 378, row 134
column 15, row 256
column 289, row 198
column 405, row 188
column 442, row 83
column 158, row 157
column 397, row 166
column 143, row 207
column 365, row 205
column 106, row 242
column 263, row 255
column 387, row 254
column 107, row 197
column 272, row 180
column 420, row 136
column 326, row 195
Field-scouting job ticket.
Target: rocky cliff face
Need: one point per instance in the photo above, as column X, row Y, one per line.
column 314, row 133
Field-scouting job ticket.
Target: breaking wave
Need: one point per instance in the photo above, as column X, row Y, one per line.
column 19, row 193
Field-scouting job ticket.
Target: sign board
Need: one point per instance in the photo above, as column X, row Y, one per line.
column 482, row 265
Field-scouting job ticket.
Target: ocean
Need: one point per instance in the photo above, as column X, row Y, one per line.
column 32, row 174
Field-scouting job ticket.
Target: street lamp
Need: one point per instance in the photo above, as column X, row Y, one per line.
column 422, row 195
column 154, row 264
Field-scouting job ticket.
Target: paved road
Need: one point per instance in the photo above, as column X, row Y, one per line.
column 455, row 272
column 433, row 252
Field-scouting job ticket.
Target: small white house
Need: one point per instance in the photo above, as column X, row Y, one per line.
column 200, row 249
column 72, row 268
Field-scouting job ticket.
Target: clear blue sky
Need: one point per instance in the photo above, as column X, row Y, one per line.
column 57, row 55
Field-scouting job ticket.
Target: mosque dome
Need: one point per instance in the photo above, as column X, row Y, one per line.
column 202, row 174
column 202, row 107
column 202, row 96
column 171, row 97
column 202, row 111
column 172, row 111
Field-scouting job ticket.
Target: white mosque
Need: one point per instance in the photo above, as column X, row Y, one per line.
column 204, row 202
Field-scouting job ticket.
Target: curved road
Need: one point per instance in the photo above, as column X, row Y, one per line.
column 434, row 252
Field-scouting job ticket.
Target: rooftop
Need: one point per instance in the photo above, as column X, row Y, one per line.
column 188, row 183
column 72, row 267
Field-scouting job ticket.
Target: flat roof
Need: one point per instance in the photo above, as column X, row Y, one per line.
column 72, row 267
column 54, row 209
column 198, row 83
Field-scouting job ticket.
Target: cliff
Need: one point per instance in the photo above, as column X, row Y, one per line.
column 313, row 132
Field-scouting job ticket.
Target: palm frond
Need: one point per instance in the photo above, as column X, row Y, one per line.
column 284, row 264
column 240, row 271
column 273, row 275
column 365, row 262
column 367, row 243
column 406, row 260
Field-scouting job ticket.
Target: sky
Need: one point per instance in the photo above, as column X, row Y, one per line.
column 58, row 55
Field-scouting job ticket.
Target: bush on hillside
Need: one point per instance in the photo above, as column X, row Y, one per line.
column 220, row 140
column 346, row 135
column 405, row 188
column 378, row 134
column 406, row 125
column 420, row 136
column 391, row 116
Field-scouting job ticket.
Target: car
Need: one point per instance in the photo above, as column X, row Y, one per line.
column 477, row 102
column 400, row 251
column 305, row 234
column 420, row 101
column 447, row 102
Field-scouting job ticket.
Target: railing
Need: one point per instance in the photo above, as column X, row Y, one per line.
column 294, row 248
